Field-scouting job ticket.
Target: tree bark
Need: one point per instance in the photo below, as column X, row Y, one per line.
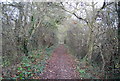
column 118, row 11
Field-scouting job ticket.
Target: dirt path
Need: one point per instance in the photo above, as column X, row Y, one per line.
column 60, row 66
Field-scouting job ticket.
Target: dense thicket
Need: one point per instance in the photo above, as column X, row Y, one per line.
column 97, row 38
column 27, row 26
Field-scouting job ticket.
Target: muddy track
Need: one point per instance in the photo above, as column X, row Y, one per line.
column 61, row 65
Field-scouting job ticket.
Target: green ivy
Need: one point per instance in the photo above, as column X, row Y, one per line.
column 27, row 68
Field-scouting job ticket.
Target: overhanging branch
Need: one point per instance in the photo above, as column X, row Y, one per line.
column 80, row 18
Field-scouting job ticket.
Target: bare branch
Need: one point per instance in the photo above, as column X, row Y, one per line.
column 103, row 7
column 104, row 3
column 80, row 18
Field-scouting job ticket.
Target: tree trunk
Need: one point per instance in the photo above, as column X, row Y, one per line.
column 90, row 43
column 118, row 11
